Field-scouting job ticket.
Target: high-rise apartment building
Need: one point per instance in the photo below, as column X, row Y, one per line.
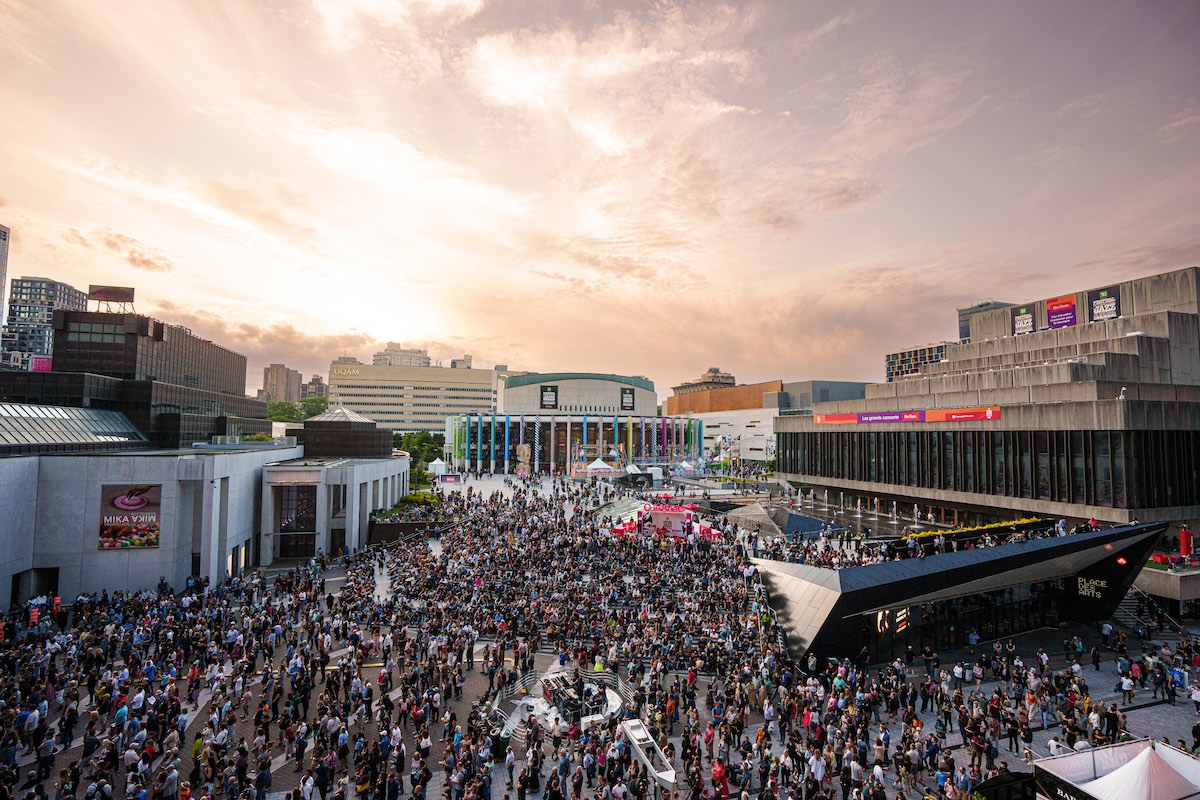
column 29, row 331
column 280, row 383
column 316, row 387
column 395, row 355
column 407, row 399
column 5, row 233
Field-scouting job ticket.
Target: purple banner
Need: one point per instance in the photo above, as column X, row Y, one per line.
column 891, row 416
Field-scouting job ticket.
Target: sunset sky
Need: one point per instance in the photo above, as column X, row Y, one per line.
column 783, row 189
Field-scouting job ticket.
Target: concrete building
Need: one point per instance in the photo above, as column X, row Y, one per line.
column 966, row 313
column 85, row 505
column 280, row 384
column 408, row 399
column 29, row 330
column 321, row 502
column 316, row 387
column 461, row 363
column 1079, row 406
column 912, row 360
column 5, row 233
column 394, row 355
column 185, row 512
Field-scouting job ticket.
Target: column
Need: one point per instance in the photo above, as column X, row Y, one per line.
column 352, row 503
column 492, row 446
column 210, row 540
column 552, row 453
column 323, row 540
column 266, row 527
column 467, row 451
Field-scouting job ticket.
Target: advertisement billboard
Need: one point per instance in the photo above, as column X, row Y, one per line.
column 129, row 515
column 41, row 364
column 1104, row 303
column 626, row 398
column 1022, row 320
column 549, row 397
column 1060, row 311
column 111, row 294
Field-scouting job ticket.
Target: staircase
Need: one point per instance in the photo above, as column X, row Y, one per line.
column 1126, row 615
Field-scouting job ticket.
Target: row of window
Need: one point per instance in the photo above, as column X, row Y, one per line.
column 1121, row 469
column 391, row 387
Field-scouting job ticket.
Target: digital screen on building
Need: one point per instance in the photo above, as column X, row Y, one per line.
column 129, row 515
column 1104, row 303
column 1060, row 311
column 549, row 397
column 1022, row 320
column 41, row 364
column 626, row 399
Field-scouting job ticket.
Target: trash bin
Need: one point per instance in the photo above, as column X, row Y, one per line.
column 505, row 741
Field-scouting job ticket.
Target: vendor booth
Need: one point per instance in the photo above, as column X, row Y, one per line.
column 665, row 520
column 1136, row 770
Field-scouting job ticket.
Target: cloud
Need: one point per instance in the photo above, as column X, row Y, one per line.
column 137, row 254
column 1181, row 125
column 1086, row 106
column 134, row 252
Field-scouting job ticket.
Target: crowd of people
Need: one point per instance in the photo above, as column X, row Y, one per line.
column 253, row 688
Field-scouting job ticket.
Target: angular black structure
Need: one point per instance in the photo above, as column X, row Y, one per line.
column 936, row 601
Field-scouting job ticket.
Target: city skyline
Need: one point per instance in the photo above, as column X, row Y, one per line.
column 783, row 191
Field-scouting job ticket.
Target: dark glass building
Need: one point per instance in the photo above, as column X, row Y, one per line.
column 176, row 387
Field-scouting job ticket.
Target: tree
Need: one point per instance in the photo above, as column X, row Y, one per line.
column 423, row 446
column 311, row 406
column 282, row 411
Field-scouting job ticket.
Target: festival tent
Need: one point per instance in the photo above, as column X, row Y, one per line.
column 437, row 467
column 632, row 469
column 599, row 466
column 1138, row 770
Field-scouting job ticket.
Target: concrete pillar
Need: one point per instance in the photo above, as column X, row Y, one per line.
column 353, row 498
column 322, row 543
column 266, row 527
column 212, row 547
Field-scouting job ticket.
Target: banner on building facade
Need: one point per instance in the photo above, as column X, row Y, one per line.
column 1060, row 311
column 129, row 515
column 983, row 414
column 549, row 397
column 626, row 398
column 1104, row 303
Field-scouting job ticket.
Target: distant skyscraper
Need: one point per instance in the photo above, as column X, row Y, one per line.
column 280, row 383
column 4, row 234
column 29, row 331
column 396, row 356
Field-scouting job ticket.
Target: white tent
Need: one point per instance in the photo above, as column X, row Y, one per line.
column 598, row 466
column 686, row 467
column 437, row 467
column 632, row 469
column 1147, row 777
column 1142, row 769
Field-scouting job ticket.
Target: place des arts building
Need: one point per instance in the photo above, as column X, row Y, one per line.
column 1084, row 406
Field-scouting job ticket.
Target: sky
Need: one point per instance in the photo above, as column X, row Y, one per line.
column 786, row 190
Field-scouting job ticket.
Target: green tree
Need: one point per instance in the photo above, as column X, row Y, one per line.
column 311, row 406
column 423, row 446
column 282, row 411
